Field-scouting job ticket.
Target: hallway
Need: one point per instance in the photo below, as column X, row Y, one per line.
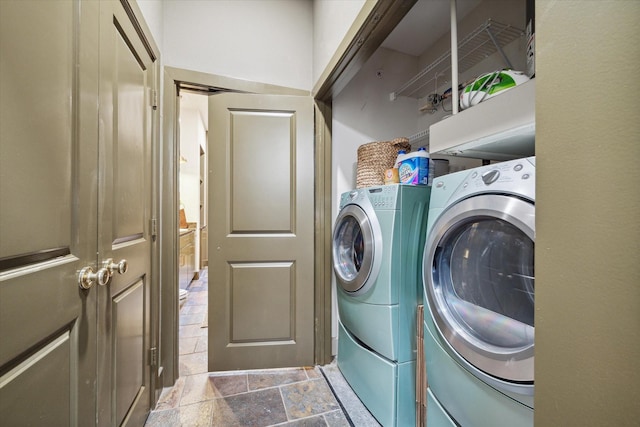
column 279, row 397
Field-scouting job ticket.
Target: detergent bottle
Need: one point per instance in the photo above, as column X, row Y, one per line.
column 402, row 154
column 429, row 174
column 415, row 168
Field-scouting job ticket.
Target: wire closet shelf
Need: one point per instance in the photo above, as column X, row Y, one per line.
column 488, row 38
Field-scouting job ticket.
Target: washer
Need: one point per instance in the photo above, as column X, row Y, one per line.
column 478, row 277
column 378, row 242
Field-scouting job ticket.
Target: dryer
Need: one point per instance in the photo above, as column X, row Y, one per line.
column 478, row 278
column 378, row 242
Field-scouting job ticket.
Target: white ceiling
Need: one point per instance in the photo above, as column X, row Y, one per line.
column 425, row 18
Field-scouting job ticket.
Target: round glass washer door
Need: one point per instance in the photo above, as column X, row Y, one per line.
column 479, row 280
column 356, row 242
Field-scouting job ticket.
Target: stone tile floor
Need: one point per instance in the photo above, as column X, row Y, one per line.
column 305, row 396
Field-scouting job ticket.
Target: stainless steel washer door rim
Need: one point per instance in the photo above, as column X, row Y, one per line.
column 471, row 312
column 357, row 250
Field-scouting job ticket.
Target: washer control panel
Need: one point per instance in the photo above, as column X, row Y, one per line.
column 383, row 197
column 354, row 196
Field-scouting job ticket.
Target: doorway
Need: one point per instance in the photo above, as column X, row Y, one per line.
column 262, row 228
column 179, row 80
column 192, row 209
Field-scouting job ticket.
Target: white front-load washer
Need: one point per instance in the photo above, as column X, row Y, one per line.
column 478, row 278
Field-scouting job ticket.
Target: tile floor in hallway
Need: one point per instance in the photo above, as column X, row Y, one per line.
column 306, row 396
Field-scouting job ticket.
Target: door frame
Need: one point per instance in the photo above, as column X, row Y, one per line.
column 375, row 21
column 134, row 13
column 175, row 78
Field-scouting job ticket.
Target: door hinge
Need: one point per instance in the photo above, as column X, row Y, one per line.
column 154, row 99
column 154, row 228
column 153, row 356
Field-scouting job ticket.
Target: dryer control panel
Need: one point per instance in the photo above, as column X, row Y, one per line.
column 510, row 177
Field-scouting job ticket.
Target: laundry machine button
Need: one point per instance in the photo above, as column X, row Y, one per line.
column 518, row 167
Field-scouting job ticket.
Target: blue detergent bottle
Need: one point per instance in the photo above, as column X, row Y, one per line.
column 415, row 168
column 402, row 154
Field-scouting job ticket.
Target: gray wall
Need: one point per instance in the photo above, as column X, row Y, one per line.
column 266, row 41
column 587, row 213
column 332, row 20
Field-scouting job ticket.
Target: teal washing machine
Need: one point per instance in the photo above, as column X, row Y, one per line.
column 478, row 277
column 378, row 242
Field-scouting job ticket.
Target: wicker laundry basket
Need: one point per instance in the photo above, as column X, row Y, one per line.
column 376, row 157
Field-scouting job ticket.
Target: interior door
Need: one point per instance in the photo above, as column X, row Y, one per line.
column 49, row 202
column 124, row 240
column 75, row 191
column 261, row 220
